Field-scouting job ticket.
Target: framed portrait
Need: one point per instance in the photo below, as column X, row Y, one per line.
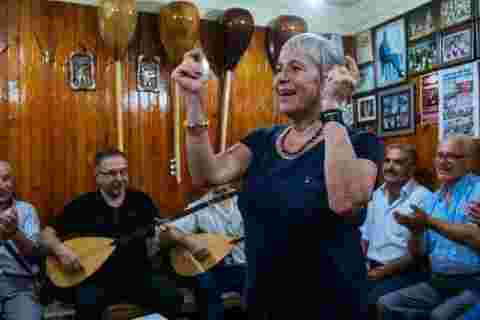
column 457, row 45
column 148, row 74
column 364, row 47
column 429, row 98
column 420, row 22
column 423, row 55
column 453, row 12
column 367, row 79
column 396, row 109
column 366, row 109
column 82, row 71
column 390, row 53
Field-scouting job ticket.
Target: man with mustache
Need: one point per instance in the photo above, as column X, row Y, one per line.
column 20, row 228
column 441, row 227
column 112, row 211
column 384, row 240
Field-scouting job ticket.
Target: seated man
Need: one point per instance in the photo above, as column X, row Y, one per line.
column 384, row 240
column 112, row 211
column 19, row 230
column 220, row 218
column 441, row 227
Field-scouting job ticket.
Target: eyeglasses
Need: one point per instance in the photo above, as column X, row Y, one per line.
column 450, row 156
column 113, row 173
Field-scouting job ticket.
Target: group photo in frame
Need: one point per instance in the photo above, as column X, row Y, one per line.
column 82, row 71
column 366, row 109
column 390, row 53
column 457, row 45
column 366, row 82
column 396, row 111
column 364, row 47
column 423, row 55
column 420, row 22
column 453, row 12
column 148, row 74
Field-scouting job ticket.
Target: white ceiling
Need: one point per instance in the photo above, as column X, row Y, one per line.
column 340, row 16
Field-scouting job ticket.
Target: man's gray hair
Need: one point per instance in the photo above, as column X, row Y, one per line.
column 318, row 48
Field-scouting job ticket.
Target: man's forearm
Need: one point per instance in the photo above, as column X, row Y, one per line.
column 398, row 265
column 466, row 234
column 415, row 245
column 23, row 244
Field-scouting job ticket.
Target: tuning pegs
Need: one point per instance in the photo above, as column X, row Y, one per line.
column 173, row 167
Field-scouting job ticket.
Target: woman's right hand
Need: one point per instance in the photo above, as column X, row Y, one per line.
column 192, row 74
column 69, row 259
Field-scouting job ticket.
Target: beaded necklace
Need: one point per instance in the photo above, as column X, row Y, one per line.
column 291, row 155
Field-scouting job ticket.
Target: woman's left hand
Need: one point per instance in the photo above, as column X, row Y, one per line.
column 341, row 82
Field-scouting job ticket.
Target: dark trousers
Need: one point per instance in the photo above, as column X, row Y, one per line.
column 212, row 284
column 153, row 292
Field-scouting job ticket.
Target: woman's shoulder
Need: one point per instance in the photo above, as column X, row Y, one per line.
column 261, row 135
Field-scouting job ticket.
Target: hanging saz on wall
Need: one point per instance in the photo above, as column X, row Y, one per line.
column 148, row 74
column 82, row 71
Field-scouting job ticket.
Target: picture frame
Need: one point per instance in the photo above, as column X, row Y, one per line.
column 420, row 22
column 453, row 12
column 364, row 47
column 429, row 98
column 423, row 55
column 396, row 111
column 457, row 45
column 390, row 53
column 148, row 74
column 366, row 109
column 82, row 66
column 366, row 82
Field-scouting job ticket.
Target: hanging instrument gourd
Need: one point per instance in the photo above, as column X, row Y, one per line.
column 225, row 36
column 117, row 21
column 179, row 32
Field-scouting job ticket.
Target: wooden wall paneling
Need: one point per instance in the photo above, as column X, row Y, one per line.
column 4, row 41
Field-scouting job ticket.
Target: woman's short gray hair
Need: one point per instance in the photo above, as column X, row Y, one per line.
column 316, row 47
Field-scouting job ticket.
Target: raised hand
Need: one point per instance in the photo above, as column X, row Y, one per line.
column 417, row 222
column 342, row 81
column 8, row 223
column 192, row 74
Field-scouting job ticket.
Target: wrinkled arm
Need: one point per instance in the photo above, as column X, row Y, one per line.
column 466, row 234
column 349, row 180
column 50, row 242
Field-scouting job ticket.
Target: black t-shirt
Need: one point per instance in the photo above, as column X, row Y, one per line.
column 292, row 235
column 89, row 215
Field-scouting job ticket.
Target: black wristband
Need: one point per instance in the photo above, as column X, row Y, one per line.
column 331, row 115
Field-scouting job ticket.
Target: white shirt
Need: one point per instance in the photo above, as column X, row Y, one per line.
column 218, row 219
column 387, row 239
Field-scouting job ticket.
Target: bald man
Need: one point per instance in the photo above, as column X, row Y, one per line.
column 19, row 229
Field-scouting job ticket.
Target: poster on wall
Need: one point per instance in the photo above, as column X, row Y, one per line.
column 390, row 49
column 429, row 98
column 363, row 47
column 420, row 22
column 367, row 79
column 457, row 46
column 458, row 101
column 396, row 108
column 454, row 11
column 422, row 56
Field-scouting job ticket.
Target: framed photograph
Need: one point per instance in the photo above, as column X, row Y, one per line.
column 459, row 101
column 423, row 56
column 367, row 79
column 429, row 98
column 390, row 53
column 420, row 22
column 453, row 12
column 366, row 109
column 396, row 109
column 82, row 71
column 457, row 46
column 148, row 74
column 364, row 47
